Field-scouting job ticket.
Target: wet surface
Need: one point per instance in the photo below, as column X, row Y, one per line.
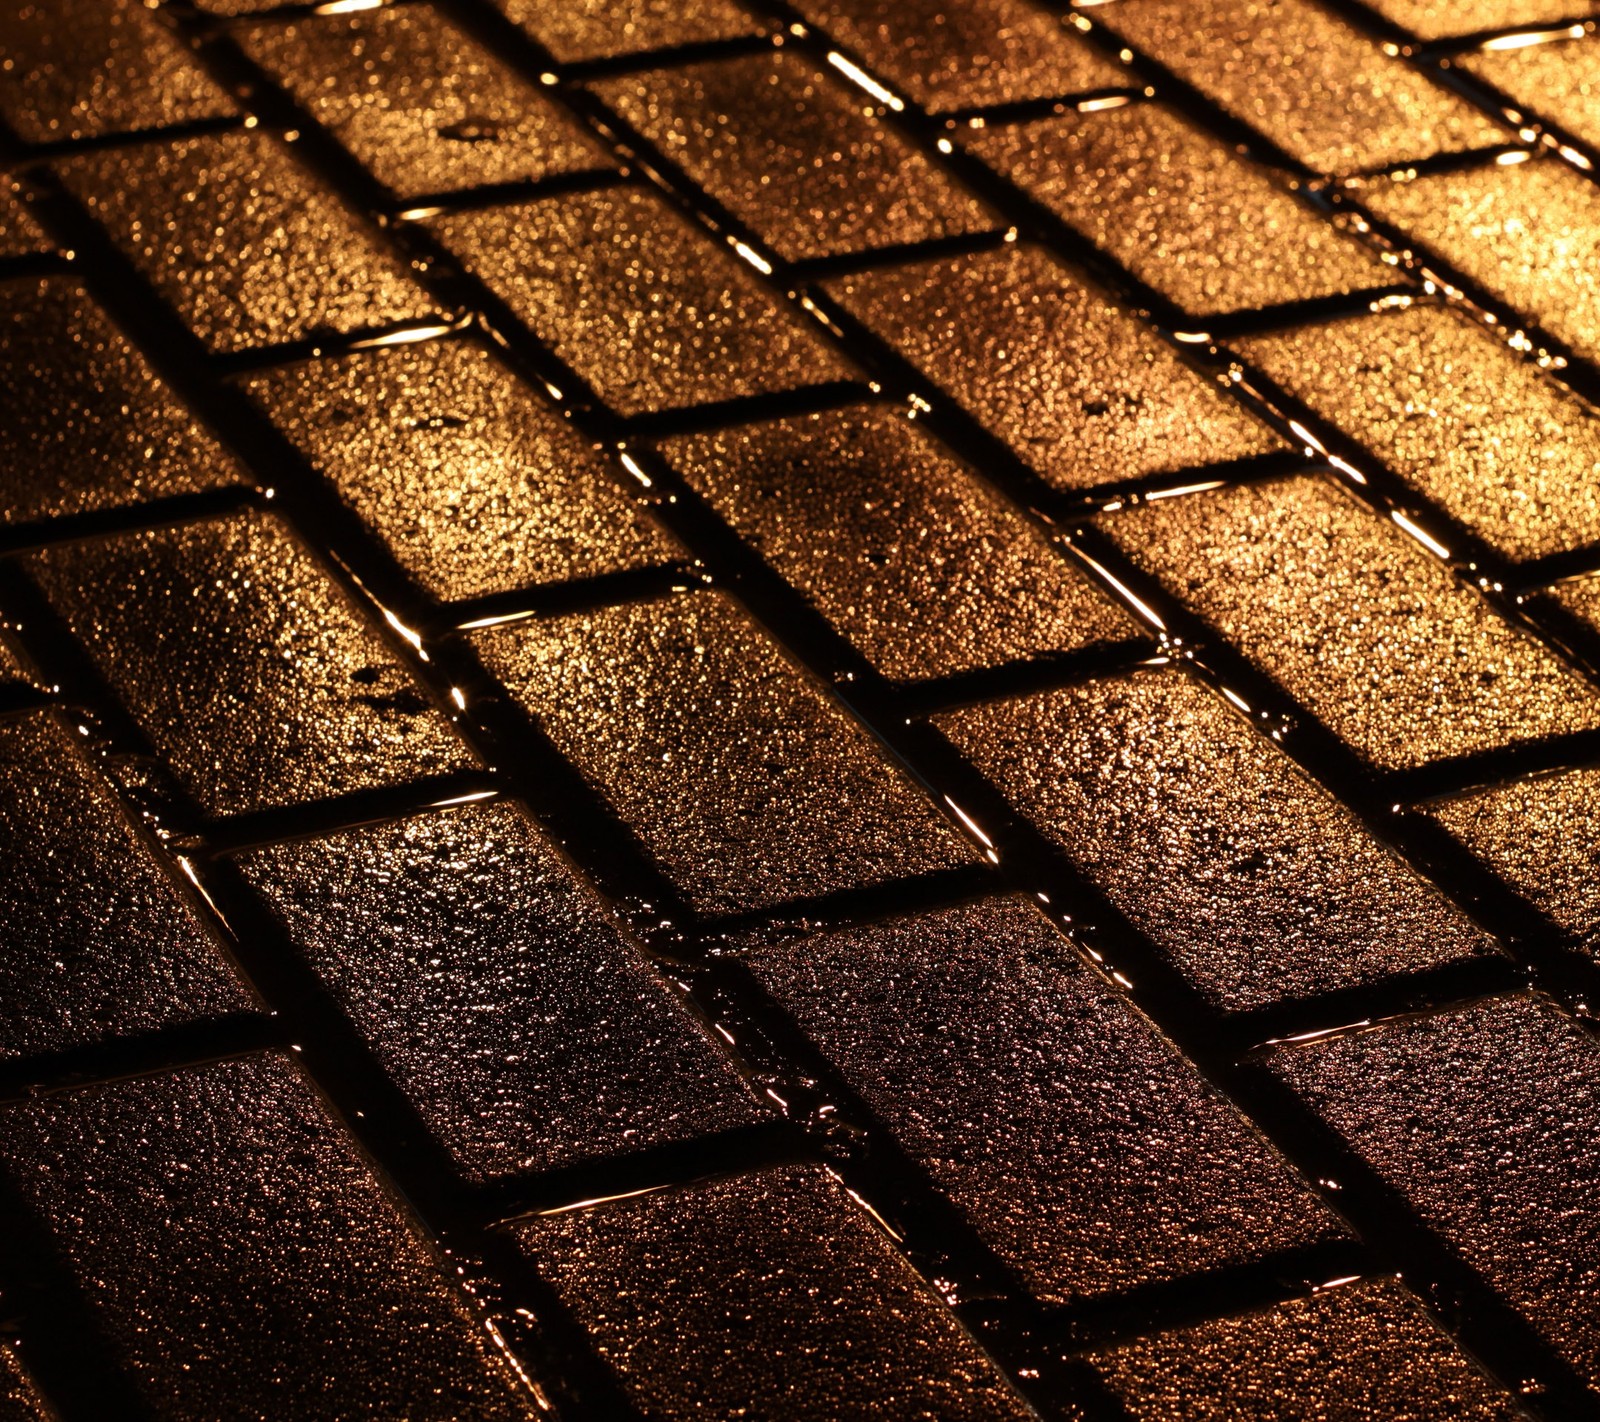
column 799, row 709
column 1257, row 884
column 741, row 1297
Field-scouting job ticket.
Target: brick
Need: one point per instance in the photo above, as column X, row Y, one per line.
column 489, row 984
column 96, row 942
column 642, row 305
column 794, row 154
column 246, row 246
column 1438, row 19
column 896, row 542
column 243, row 665
column 770, row 1295
column 1541, row 836
column 1348, row 613
column 1363, row 1350
column 20, row 1400
column 422, row 106
column 20, row 235
column 1581, row 597
column 745, row 783
column 1560, row 82
column 1314, row 85
column 979, row 54
column 89, row 425
column 473, row 484
column 1076, row 387
column 241, row 1256
column 1530, row 233
column 576, row 30
column 1181, row 210
column 1440, row 400
column 1484, row 1120
column 984, row 1043
column 1257, row 884
column 81, row 68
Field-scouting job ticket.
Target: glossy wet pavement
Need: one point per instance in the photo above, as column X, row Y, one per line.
column 879, row 709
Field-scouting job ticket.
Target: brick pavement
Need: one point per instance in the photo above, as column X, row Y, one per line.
column 799, row 710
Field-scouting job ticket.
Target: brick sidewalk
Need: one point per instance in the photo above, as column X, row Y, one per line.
column 761, row 709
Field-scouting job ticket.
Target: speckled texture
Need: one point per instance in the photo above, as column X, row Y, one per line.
column 1366, row 1350
column 595, row 29
column 525, row 1031
column 745, row 783
column 1560, row 82
column 1179, row 209
column 241, row 1256
column 896, row 542
column 1316, row 86
column 418, row 103
column 983, row 1041
column 1074, row 386
column 78, row 68
column 88, row 425
column 20, row 234
column 1530, row 233
column 1351, row 616
column 473, row 484
column 1485, row 1120
column 1435, row 19
column 243, row 665
column 1543, row 837
column 19, row 1398
column 793, row 153
column 1254, row 882
column 1581, row 597
column 94, row 942
column 640, row 304
column 768, row 1296
column 982, row 52
column 248, row 247
column 1443, row 403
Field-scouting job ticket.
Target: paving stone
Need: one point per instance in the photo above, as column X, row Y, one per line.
column 1258, row 885
column 979, row 54
column 241, row 1256
column 91, row 67
column 1560, row 81
column 1581, row 597
column 97, row 943
column 739, row 777
column 984, row 1042
column 269, row 691
column 420, row 104
column 642, row 305
column 1484, row 1120
column 1543, row 837
column 595, row 29
column 769, row 1295
column 1441, row 401
column 1437, row 19
column 243, row 243
column 90, row 426
column 1353, row 618
column 792, row 153
column 486, row 979
column 20, row 234
column 1364, row 1350
column 1181, row 210
column 473, row 483
column 1530, row 233
column 20, row 1400
column 1317, row 87
column 1075, row 387
column 896, row 542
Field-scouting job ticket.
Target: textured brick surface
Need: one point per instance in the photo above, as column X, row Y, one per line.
column 799, row 710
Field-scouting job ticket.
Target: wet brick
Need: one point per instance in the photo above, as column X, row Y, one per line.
column 595, row 29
